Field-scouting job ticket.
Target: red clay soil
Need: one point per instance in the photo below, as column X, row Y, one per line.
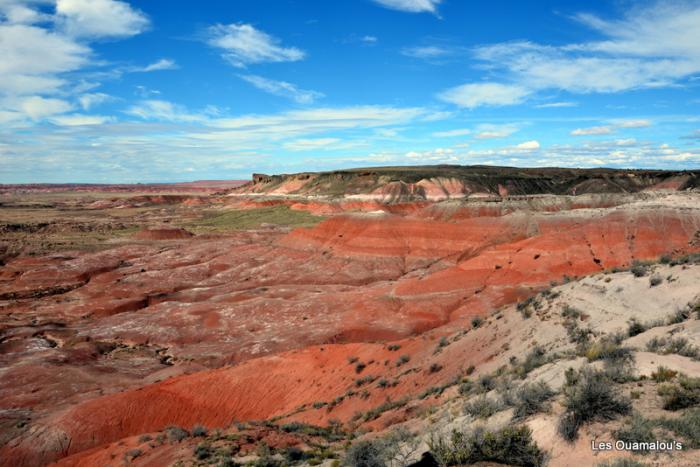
column 105, row 346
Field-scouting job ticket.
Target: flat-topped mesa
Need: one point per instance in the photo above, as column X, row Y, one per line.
column 442, row 182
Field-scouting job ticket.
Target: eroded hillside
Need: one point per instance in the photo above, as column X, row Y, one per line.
column 366, row 318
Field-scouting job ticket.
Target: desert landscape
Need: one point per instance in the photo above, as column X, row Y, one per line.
column 349, row 233
column 308, row 318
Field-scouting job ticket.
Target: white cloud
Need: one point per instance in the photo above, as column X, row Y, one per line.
column 37, row 107
column 426, row 52
column 283, row 89
column 491, row 131
column 90, row 100
column 244, row 45
column 557, row 105
column 100, row 18
column 33, row 58
column 162, row 64
column 411, row 6
column 528, row 145
column 639, row 123
column 369, row 39
column 594, row 130
column 650, row 47
column 14, row 12
column 451, row 133
column 163, row 110
column 80, row 120
column 480, row 94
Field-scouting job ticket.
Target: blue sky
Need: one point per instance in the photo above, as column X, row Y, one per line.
column 112, row 91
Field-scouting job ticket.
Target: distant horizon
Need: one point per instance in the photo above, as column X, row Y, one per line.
column 124, row 92
column 245, row 180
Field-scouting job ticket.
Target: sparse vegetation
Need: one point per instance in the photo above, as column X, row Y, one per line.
column 637, row 429
column 655, row 280
column 687, row 426
column 199, row 431
column 393, row 347
column 483, row 407
column 673, row 345
column 365, row 454
column 594, row 397
column 531, row 399
column 176, row 433
column 403, row 359
column 477, row 322
column 535, row 359
column 663, row 374
column 510, row 446
column 639, row 269
column 213, row 221
column 686, row 393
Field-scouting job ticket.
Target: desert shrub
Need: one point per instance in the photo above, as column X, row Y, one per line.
column 403, row 359
column 199, row 431
column 465, row 387
column 352, row 359
column 577, row 334
column 639, row 269
column 470, row 370
column 665, row 259
column 486, row 383
column 359, row 367
column 175, row 433
column 682, row 395
column 655, row 280
column 674, row 345
column 443, row 342
column 145, row 438
column 434, row 368
column 477, row 322
column 133, row 453
column 382, row 383
column 678, row 316
column 393, row 347
column 432, row 391
column 483, row 407
column 687, row 426
column 203, row 451
column 637, row 429
column 510, row 446
column 571, row 377
column 635, row 328
column 621, row 462
column 663, row 374
column 531, row 399
column 365, row 380
column 294, row 454
column 570, row 312
column 535, row 359
column 365, row 454
column 611, row 352
column 594, row 397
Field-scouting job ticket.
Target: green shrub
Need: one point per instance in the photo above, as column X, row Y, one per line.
column 359, row 367
column 365, row 454
column 638, row 429
column 175, row 433
column 510, row 446
column 638, row 269
column 663, row 374
column 199, row 431
column 635, row 328
column 535, row 359
column 594, row 397
column 486, row 383
column 477, row 322
column 203, row 451
column 393, row 347
column 655, row 280
column 483, row 407
column 687, row 426
column 531, row 399
column 403, row 359
column 673, row 345
column 682, row 395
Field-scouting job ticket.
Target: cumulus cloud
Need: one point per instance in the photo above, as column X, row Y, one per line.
column 37, row 107
column 492, row 131
column 90, row 100
column 243, row 45
column 633, row 123
column 283, row 89
column 100, row 18
column 650, row 47
column 411, row 6
column 484, row 94
column 528, row 145
column 594, row 130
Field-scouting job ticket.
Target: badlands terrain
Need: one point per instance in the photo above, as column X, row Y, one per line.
column 435, row 315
